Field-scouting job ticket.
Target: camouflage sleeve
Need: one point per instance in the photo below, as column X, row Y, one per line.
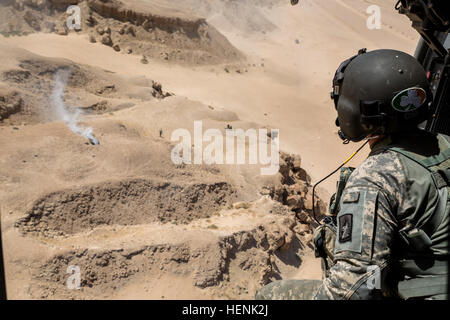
column 366, row 227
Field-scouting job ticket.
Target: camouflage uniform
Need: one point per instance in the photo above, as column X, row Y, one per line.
column 289, row 290
column 387, row 197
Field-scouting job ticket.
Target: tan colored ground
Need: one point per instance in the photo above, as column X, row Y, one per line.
column 137, row 225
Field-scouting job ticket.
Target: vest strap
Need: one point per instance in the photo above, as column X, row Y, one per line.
column 436, row 160
column 429, row 162
column 424, row 266
column 423, row 278
column 423, row 287
column 420, row 240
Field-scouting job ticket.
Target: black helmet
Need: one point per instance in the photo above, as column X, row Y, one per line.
column 380, row 92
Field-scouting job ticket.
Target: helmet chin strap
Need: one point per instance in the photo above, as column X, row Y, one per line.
column 347, row 140
column 343, row 137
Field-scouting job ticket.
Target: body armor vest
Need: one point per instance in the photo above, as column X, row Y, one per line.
column 421, row 258
column 422, row 263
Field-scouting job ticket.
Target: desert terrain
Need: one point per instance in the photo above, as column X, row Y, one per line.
column 86, row 117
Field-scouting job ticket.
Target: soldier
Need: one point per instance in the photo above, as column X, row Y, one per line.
column 391, row 231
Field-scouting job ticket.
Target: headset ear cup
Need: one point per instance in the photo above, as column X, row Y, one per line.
column 339, row 78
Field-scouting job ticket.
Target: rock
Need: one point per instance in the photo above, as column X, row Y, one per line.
column 32, row 20
column 147, row 25
column 304, row 217
column 99, row 106
column 276, row 240
column 158, row 92
column 284, row 168
column 301, row 229
column 128, row 50
column 40, row 4
column 241, row 205
column 61, row 30
column 157, row 86
column 106, row 89
column 130, row 30
column 290, row 190
column 90, row 21
column 122, row 29
column 308, row 202
column 294, row 202
column 49, row 27
column 297, row 163
column 300, row 188
column 19, row 5
column 108, row 30
column 9, row 105
column 286, row 157
column 116, row 47
column 288, row 238
column 279, row 194
column 267, row 191
column 100, row 31
column 321, row 207
column 302, row 175
column 106, row 40
column 308, row 237
column 92, row 39
column 144, row 60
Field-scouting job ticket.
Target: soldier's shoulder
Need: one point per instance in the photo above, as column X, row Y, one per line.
column 445, row 137
column 382, row 169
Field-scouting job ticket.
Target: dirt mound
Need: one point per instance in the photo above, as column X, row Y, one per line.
column 103, row 271
column 232, row 266
column 10, row 103
column 295, row 190
column 136, row 27
column 133, row 26
column 35, row 76
column 137, row 12
column 89, row 89
column 130, row 202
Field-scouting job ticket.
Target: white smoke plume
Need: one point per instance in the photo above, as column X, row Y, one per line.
column 70, row 118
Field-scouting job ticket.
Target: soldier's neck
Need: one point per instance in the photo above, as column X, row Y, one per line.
column 375, row 140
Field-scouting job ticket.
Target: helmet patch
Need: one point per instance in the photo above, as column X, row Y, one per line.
column 409, row 100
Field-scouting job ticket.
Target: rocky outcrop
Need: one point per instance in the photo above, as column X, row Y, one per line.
column 231, row 265
column 117, row 10
column 144, row 201
column 10, row 103
column 151, row 29
column 295, row 190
